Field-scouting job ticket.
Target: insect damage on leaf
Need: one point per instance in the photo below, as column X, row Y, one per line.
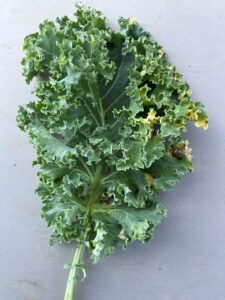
column 106, row 125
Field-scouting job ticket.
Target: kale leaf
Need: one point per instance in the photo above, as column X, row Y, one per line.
column 106, row 125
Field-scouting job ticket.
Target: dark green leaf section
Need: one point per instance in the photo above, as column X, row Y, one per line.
column 128, row 223
column 167, row 171
column 106, row 126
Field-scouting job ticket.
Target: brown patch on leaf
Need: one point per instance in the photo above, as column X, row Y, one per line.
column 107, row 199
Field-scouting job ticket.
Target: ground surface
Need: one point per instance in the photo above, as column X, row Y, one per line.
column 186, row 260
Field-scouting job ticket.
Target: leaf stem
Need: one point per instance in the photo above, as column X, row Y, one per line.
column 77, row 263
column 113, row 124
column 73, row 276
column 86, row 167
column 100, row 108
column 90, row 111
column 109, row 176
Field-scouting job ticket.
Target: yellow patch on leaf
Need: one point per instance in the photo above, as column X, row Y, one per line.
column 132, row 21
column 192, row 116
column 151, row 117
column 202, row 123
column 149, row 179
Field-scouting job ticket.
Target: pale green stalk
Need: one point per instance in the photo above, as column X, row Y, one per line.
column 73, row 276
